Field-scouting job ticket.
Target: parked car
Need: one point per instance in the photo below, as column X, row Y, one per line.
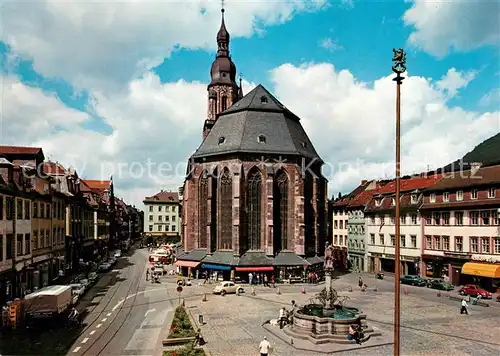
column 440, row 284
column 92, row 277
column 104, row 267
column 224, row 288
column 78, row 289
column 112, row 261
column 117, row 254
column 474, row 291
column 413, row 280
column 85, row 282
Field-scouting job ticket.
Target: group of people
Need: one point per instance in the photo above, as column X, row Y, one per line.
column 260, row 278
column 355, row 333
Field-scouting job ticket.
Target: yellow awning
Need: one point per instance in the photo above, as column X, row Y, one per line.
column 482, row 269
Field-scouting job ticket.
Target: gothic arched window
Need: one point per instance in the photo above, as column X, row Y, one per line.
column 224, row 102
column 203, row 210
column 253, row 209
column 280, row 213
column 226, row 210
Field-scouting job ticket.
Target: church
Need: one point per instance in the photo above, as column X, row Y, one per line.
column 254, row 198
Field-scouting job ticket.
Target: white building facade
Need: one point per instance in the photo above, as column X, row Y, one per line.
column 162, row 214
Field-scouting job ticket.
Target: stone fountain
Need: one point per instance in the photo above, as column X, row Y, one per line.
column 325, row 319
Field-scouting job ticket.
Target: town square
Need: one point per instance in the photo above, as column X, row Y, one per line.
column 249, row 178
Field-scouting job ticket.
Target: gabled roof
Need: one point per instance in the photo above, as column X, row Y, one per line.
column 19, row 150
column 163, row 197
column 53, row 168
column 410, row 184
column 97, row 184
column 464, row 179
column 257, row 124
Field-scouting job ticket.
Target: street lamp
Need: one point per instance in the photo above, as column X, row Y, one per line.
column 398, row 67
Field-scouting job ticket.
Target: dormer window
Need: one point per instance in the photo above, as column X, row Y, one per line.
column 446, row 196
column 263, row 99
column 491, row 193
column 378, row 201
column 414, row 198
column 393, row 201
column 474, row 194
column 222, row 140
column 304, row 144
column 460, row 195
column 261, row 139
column 433, row 198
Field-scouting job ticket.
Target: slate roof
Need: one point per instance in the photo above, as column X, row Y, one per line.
column 255, row 258
column 194, row 255
column 222, row 258
column 258, row 113
column 314, row 260
column 288, row 258
column 482, row 176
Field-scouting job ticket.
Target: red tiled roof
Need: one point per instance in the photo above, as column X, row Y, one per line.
column 53, row 168
column 411, row 184
column 98, row 184
column 12, row 150
column 362, row 198
column 163, row 197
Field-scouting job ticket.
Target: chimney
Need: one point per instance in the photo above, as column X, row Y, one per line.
column 364, row 181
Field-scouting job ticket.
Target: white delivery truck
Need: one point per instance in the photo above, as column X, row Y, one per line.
column 47, row 302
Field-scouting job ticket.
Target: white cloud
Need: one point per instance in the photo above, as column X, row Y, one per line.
column 453, row 81
column 157, row 126
column 330, row 44
column 491, row 99
column 105, row 44
column 352, row 125
column 440, row 26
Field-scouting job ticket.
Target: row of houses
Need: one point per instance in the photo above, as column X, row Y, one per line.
column 52, row 222
column 449, row 225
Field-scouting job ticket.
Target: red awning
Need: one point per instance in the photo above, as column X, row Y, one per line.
column 255, row 269
column 191, row 264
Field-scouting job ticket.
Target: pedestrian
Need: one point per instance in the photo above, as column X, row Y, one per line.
column 264, row 347
column 360, row 282
column 266, row 283
column 147, row 274
column 463, row 309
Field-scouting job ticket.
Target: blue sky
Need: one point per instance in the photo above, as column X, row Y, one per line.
column 358, row 39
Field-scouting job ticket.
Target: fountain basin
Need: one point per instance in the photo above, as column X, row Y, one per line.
column 309, row 323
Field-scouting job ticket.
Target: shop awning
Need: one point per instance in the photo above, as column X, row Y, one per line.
column 255, row 269
column 216, row 267
column 191, row 264
column 481, row 269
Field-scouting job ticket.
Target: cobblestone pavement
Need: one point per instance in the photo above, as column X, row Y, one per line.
column 430, row 325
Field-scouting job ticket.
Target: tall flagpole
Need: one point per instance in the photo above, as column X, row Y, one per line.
column 398, row 67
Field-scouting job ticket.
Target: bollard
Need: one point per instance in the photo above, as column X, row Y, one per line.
column 291, row 341
column 406, row 291
column 253, row 291
column 183, row 303
column 278, row 291
column 349, row 289
column 204, row 297
column 303, row 290
column 200, row 319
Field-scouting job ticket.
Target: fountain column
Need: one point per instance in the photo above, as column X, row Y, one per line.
column 328, row 309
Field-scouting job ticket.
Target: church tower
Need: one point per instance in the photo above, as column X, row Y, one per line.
column 223, row 91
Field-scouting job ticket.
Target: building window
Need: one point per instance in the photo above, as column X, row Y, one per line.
column 341, row 224
column 433, row 198
column 27, row 244
column 224, row 102
column 151, row 208
column 1, row 211
column 280, row 213
column 474, row 218
column 414, row 199
column 496, row 217
column 378, row 201
column 160, row 227
column 474, row 194
column 393, row 219
column 413, row 239
column 436, row 218
column 159, row 208
column 261, row 139
column 35, row 240
column 336, row 224
column 491, row 192
column 47, row 216
column 485, row 245
column 403, row 241
column 150, row 227
column 393, row 240
column 173, row 228
column 446, row 243
column 446, row 218
column 428, row 242
column 19, row 210
column 403, row 219
column 173, row 209
column 203, row 211
column 167, row 209
column 497, row 245
column 167, row 217
column 414, row 219
column 460, row 195
column 393, row 202
column 335, row 240
column 9, row 208
column 372, row 220
column 382, row 239
column 428, row 220
column 485, row 217
column 150, row 217
column 446, row 196
column 372, row 239
column 19, row 245
column 42, row 211
column 226, row 210
column 8, row 246
column 459, row 218
column 167, row 228
column 253, row 209
column 27, row 211
column 474, row 245
column 160, row 218
column 437, row 243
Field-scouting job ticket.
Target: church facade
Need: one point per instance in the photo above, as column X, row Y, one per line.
column 254, row 198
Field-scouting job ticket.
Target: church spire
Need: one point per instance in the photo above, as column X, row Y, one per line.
column 223, row 37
